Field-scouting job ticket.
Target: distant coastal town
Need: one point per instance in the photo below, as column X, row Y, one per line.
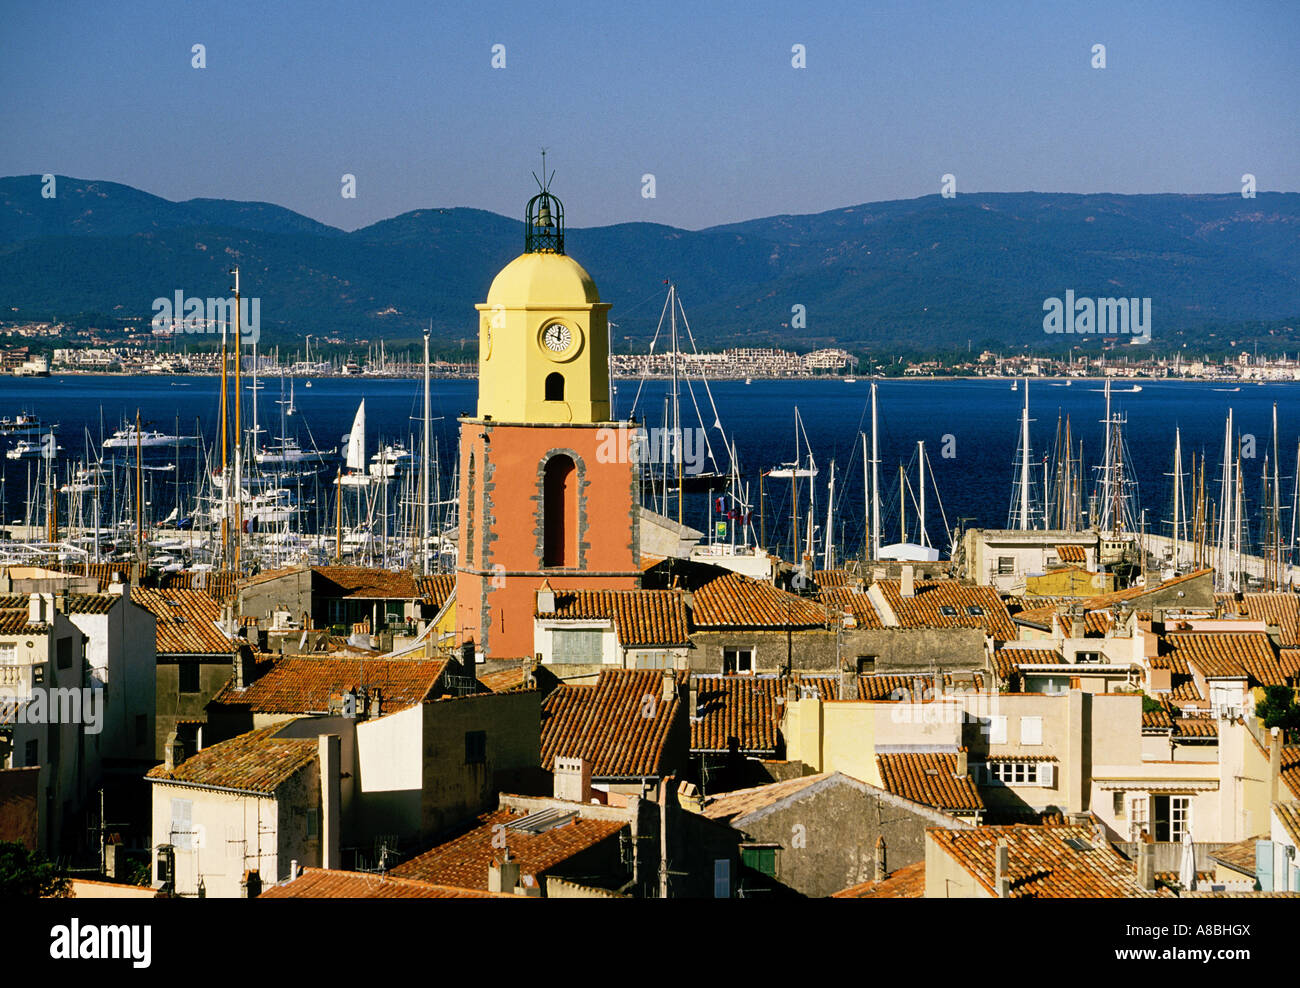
column 736, row 363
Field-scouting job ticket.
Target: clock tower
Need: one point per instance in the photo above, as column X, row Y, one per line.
column 549, row 491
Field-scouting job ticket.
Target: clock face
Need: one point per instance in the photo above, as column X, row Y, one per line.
column 557, row 338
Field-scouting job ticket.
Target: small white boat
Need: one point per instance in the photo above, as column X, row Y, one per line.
column 29, row 450
column 146, row 439
column 850, row 380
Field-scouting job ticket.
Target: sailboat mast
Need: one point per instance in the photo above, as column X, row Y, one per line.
column 239, row 434
column 828, row 557
column 920, row 479
column 875, row 480
column 424, row 464
column 1024, row 466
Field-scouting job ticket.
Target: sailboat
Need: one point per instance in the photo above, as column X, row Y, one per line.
column 355, row 452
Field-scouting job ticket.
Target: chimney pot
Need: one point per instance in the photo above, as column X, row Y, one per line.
column 907, row 583
column 173, row 752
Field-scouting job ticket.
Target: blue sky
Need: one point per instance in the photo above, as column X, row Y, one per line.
column 702, row 95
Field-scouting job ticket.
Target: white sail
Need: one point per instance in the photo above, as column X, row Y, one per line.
column 356, row 456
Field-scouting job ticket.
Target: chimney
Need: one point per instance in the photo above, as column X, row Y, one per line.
column 36, row 609
column 467, row 662
column 882, row 869
column 572, row 779
column 670, row 686
column 1078, row 623
column 251, row 885
column 173, row 752
column 963, row 765
column 329, row 753
column 293, row 869
column 545, row 599
column 1002, row 870
column 907, row 583
column 1274, row 763
column 1146, row 866
column 243, row 667
column 117, row 587
column 695, row 700
column 228, row 620
column 503, row 874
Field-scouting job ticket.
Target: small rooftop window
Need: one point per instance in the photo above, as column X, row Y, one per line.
column 947, row 610
column 975, row 610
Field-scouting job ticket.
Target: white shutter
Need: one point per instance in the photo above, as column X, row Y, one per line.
column 1046, row 774
column 181, row 824
column 998, row 729
column 1031, row 730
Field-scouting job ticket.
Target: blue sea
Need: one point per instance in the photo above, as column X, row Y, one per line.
column 970, row 430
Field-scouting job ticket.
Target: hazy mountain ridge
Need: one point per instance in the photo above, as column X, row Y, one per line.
column 924, row 272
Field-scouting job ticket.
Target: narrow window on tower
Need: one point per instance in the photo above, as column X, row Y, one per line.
column 555, row 386
column 560, row 517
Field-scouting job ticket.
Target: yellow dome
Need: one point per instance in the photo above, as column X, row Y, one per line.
column 542, row 279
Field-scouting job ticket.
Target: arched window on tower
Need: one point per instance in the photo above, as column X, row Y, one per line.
column 555, row 386
column 560, row 512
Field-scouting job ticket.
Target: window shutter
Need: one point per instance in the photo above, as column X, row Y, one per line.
column 1046, row 774
column 181, row 824
column 722, row 878
column 1264, row 864
column 998, row 729
column 1031, row 730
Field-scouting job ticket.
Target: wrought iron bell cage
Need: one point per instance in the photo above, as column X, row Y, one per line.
column 544, row 224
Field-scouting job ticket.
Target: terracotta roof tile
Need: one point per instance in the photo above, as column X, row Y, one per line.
column 852, row 601
column 436, row 589
column 363, row 582
column 505, row 680
column 950, row 604
column 254, row 762
column 1042, row 865
column 732, row 805
column 1006, row 661
column 929, row 778
column 907, row 882
column 642, row 618
column 914, row 687
column 735, row 601
column 220, row 585
column 1288, row 814
column 1072, row 553
column 302, row 685
column 187, row 621
column 464, row 861
column 14, row 621
column 322, row 883
column 607, row 724
column 1239, row 856
column 1281, row 609
column 1247, row 654
column 747, row 709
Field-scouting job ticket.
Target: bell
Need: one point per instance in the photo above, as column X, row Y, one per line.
column 544, row 214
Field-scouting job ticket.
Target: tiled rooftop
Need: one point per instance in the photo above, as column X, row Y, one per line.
column 621, row 724
column 748, row 709
column 949, row 604
column 322, row 883
column 1240, row 856
column 930, row 778
column 187, row 621
column 1041, row 864
column 1007, row 660
column 852, row 601
column 301, row 685
column 907, row 882
column 464, row 861
column 742, row 802
column 1072, row 553
column 363, row 582
column 436, row 589
column 735, row 601
column 642, row 618
column 1281, row 609
column 1228, row 654
column 256, row 762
